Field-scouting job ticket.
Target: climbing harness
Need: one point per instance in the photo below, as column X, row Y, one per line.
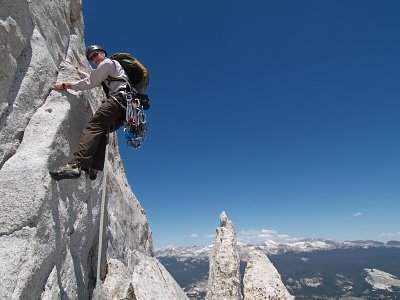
column 135, row 122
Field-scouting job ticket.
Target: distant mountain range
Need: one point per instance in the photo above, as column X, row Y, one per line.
column 271, row 247
column 310, row 268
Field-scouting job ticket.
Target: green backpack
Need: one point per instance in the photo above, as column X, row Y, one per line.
column 134, row 69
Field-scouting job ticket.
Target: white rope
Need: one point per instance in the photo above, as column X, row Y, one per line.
column 101, row 227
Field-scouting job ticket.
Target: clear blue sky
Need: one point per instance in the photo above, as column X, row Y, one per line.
column 285, row 114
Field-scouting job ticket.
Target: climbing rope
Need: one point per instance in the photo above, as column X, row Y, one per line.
column 101, row 226
column 135, row 130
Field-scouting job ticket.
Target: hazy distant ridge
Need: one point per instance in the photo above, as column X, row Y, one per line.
column 272, row 247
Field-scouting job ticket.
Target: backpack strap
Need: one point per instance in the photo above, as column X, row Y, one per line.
column 110, row 78
column 105, row 89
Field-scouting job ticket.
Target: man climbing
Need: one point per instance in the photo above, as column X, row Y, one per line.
column 90, row 153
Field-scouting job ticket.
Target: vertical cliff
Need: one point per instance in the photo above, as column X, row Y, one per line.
column 48, row 229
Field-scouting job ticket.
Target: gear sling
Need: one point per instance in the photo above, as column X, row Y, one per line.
column 135, row 103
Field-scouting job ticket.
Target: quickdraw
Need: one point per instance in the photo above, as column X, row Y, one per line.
column 135, row 122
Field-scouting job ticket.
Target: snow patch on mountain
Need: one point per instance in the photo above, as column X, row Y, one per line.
column 344, row 283
column 381, row 280
column 185, row 253
column 315, row 244
column 312, row 281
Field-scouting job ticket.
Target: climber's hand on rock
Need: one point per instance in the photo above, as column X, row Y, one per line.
column 59, row 86
column 80, row 72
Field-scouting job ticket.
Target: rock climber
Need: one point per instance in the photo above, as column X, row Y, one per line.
column 90, row 152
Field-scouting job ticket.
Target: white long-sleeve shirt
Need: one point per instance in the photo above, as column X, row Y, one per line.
column 106, row 68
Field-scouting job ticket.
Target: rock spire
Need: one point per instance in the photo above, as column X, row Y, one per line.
column 262, row 280
column 224, row 274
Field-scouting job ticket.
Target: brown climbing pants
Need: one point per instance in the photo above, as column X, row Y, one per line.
column 90, row 153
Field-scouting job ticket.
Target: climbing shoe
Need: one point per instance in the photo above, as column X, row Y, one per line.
column 69, row 171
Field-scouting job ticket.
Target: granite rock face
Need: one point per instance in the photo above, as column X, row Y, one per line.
column 48, row 229
column 127, row 281
column 262, row 280
column 224, row 273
